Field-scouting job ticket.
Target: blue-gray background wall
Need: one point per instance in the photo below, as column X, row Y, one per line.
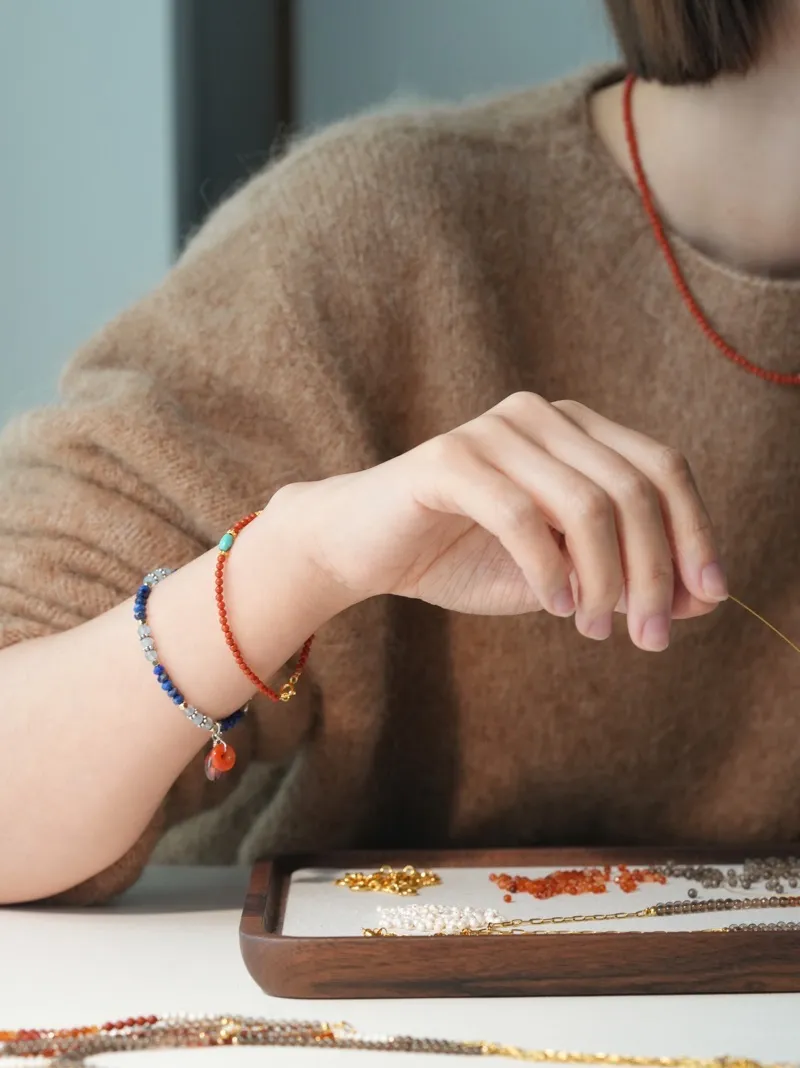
column 86, row 215
column 356, row 52
column 87, row 218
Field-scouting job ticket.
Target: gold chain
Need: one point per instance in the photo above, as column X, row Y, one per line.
column 550, row 1056
column 383, row 932
column 667, row 908
column 515, row 926
column 599, row 917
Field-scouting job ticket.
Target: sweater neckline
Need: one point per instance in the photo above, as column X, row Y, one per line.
column 616, row 179
column 758, row 314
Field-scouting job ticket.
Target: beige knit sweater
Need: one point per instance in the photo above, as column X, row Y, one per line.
column 386, row 281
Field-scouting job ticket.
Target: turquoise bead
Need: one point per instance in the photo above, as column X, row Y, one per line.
column 226, row 542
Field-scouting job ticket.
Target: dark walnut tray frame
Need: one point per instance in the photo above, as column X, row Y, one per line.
column 570, row 964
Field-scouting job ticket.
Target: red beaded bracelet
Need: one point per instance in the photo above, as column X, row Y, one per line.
column 287, row 691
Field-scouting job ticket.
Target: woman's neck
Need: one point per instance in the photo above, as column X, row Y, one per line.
column 722, row 160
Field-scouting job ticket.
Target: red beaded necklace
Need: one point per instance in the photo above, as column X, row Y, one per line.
column 777, row 377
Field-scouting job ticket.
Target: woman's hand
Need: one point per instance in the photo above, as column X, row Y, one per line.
column 530, row 506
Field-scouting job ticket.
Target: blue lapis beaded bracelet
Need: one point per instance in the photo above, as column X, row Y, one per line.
column 222, row 756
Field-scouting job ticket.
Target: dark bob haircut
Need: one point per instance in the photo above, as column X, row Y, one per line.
column 682, row 42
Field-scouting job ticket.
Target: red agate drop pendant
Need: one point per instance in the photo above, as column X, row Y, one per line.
column 219, row 760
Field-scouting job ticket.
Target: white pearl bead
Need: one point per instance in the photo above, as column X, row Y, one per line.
column 437, row 919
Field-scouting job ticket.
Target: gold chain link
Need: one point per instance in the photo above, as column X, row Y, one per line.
column 404, row 882
column 549, row 1056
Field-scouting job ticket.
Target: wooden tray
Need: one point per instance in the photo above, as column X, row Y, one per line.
column 679, row 962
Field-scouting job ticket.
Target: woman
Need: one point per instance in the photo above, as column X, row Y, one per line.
column 389, row 281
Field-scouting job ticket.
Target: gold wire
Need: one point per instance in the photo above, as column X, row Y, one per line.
column 766, row 622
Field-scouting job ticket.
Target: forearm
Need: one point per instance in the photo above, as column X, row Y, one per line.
column 92, row 743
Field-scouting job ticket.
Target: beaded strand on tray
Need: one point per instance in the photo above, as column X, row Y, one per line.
column 664, row 908
column 287, row 691
column 536, row 925
column 792, row 927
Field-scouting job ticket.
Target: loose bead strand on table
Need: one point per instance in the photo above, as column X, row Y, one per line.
column 72, row 1046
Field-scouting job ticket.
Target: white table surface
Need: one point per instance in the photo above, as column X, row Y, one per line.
column 171, row 945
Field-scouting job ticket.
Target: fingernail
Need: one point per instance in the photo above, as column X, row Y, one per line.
column 655, row 633
column 714, row 583
column 600, row 628
column 564, row 602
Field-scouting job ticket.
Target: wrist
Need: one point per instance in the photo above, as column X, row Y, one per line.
column 273, row 600
column 280, row 555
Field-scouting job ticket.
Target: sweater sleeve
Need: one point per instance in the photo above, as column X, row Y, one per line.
column 251, row 366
